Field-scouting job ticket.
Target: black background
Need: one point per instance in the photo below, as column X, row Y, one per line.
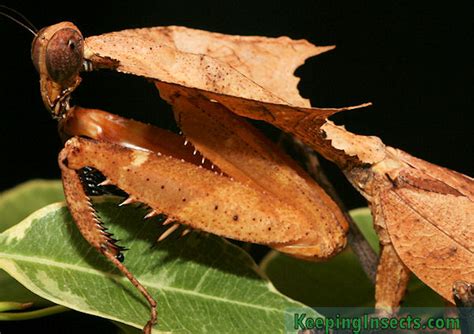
column 413, row 60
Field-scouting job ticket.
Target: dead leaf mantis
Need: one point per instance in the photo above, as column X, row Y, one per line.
column 367, row 161
column 237, row 199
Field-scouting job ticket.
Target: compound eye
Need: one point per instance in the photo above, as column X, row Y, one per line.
column 64, row 55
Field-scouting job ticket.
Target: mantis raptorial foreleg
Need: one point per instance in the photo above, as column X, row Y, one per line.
column 200, row 200
column 167, row 173
column 175, row 179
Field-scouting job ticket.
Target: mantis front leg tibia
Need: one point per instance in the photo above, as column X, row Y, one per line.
column 93, row 230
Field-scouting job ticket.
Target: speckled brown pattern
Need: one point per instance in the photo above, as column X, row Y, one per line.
column 196, row 197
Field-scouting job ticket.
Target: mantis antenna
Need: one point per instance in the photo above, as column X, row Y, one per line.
column 25, row 23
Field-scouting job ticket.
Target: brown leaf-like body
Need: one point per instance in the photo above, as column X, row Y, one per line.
column 426, row 212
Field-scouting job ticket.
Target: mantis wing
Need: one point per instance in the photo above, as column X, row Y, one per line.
column 429, row 221
column 149, row 53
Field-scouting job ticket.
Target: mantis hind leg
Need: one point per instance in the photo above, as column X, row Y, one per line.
column 93, row 230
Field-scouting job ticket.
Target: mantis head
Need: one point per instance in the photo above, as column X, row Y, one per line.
column 57, row 52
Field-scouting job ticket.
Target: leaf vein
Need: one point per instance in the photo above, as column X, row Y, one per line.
column 36, row 261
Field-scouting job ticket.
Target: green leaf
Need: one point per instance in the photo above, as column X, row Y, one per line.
column 201, row 283
column 340, row 281
column 19, row 202
column 363, row 220
column 15, row 205
column 420, row 295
